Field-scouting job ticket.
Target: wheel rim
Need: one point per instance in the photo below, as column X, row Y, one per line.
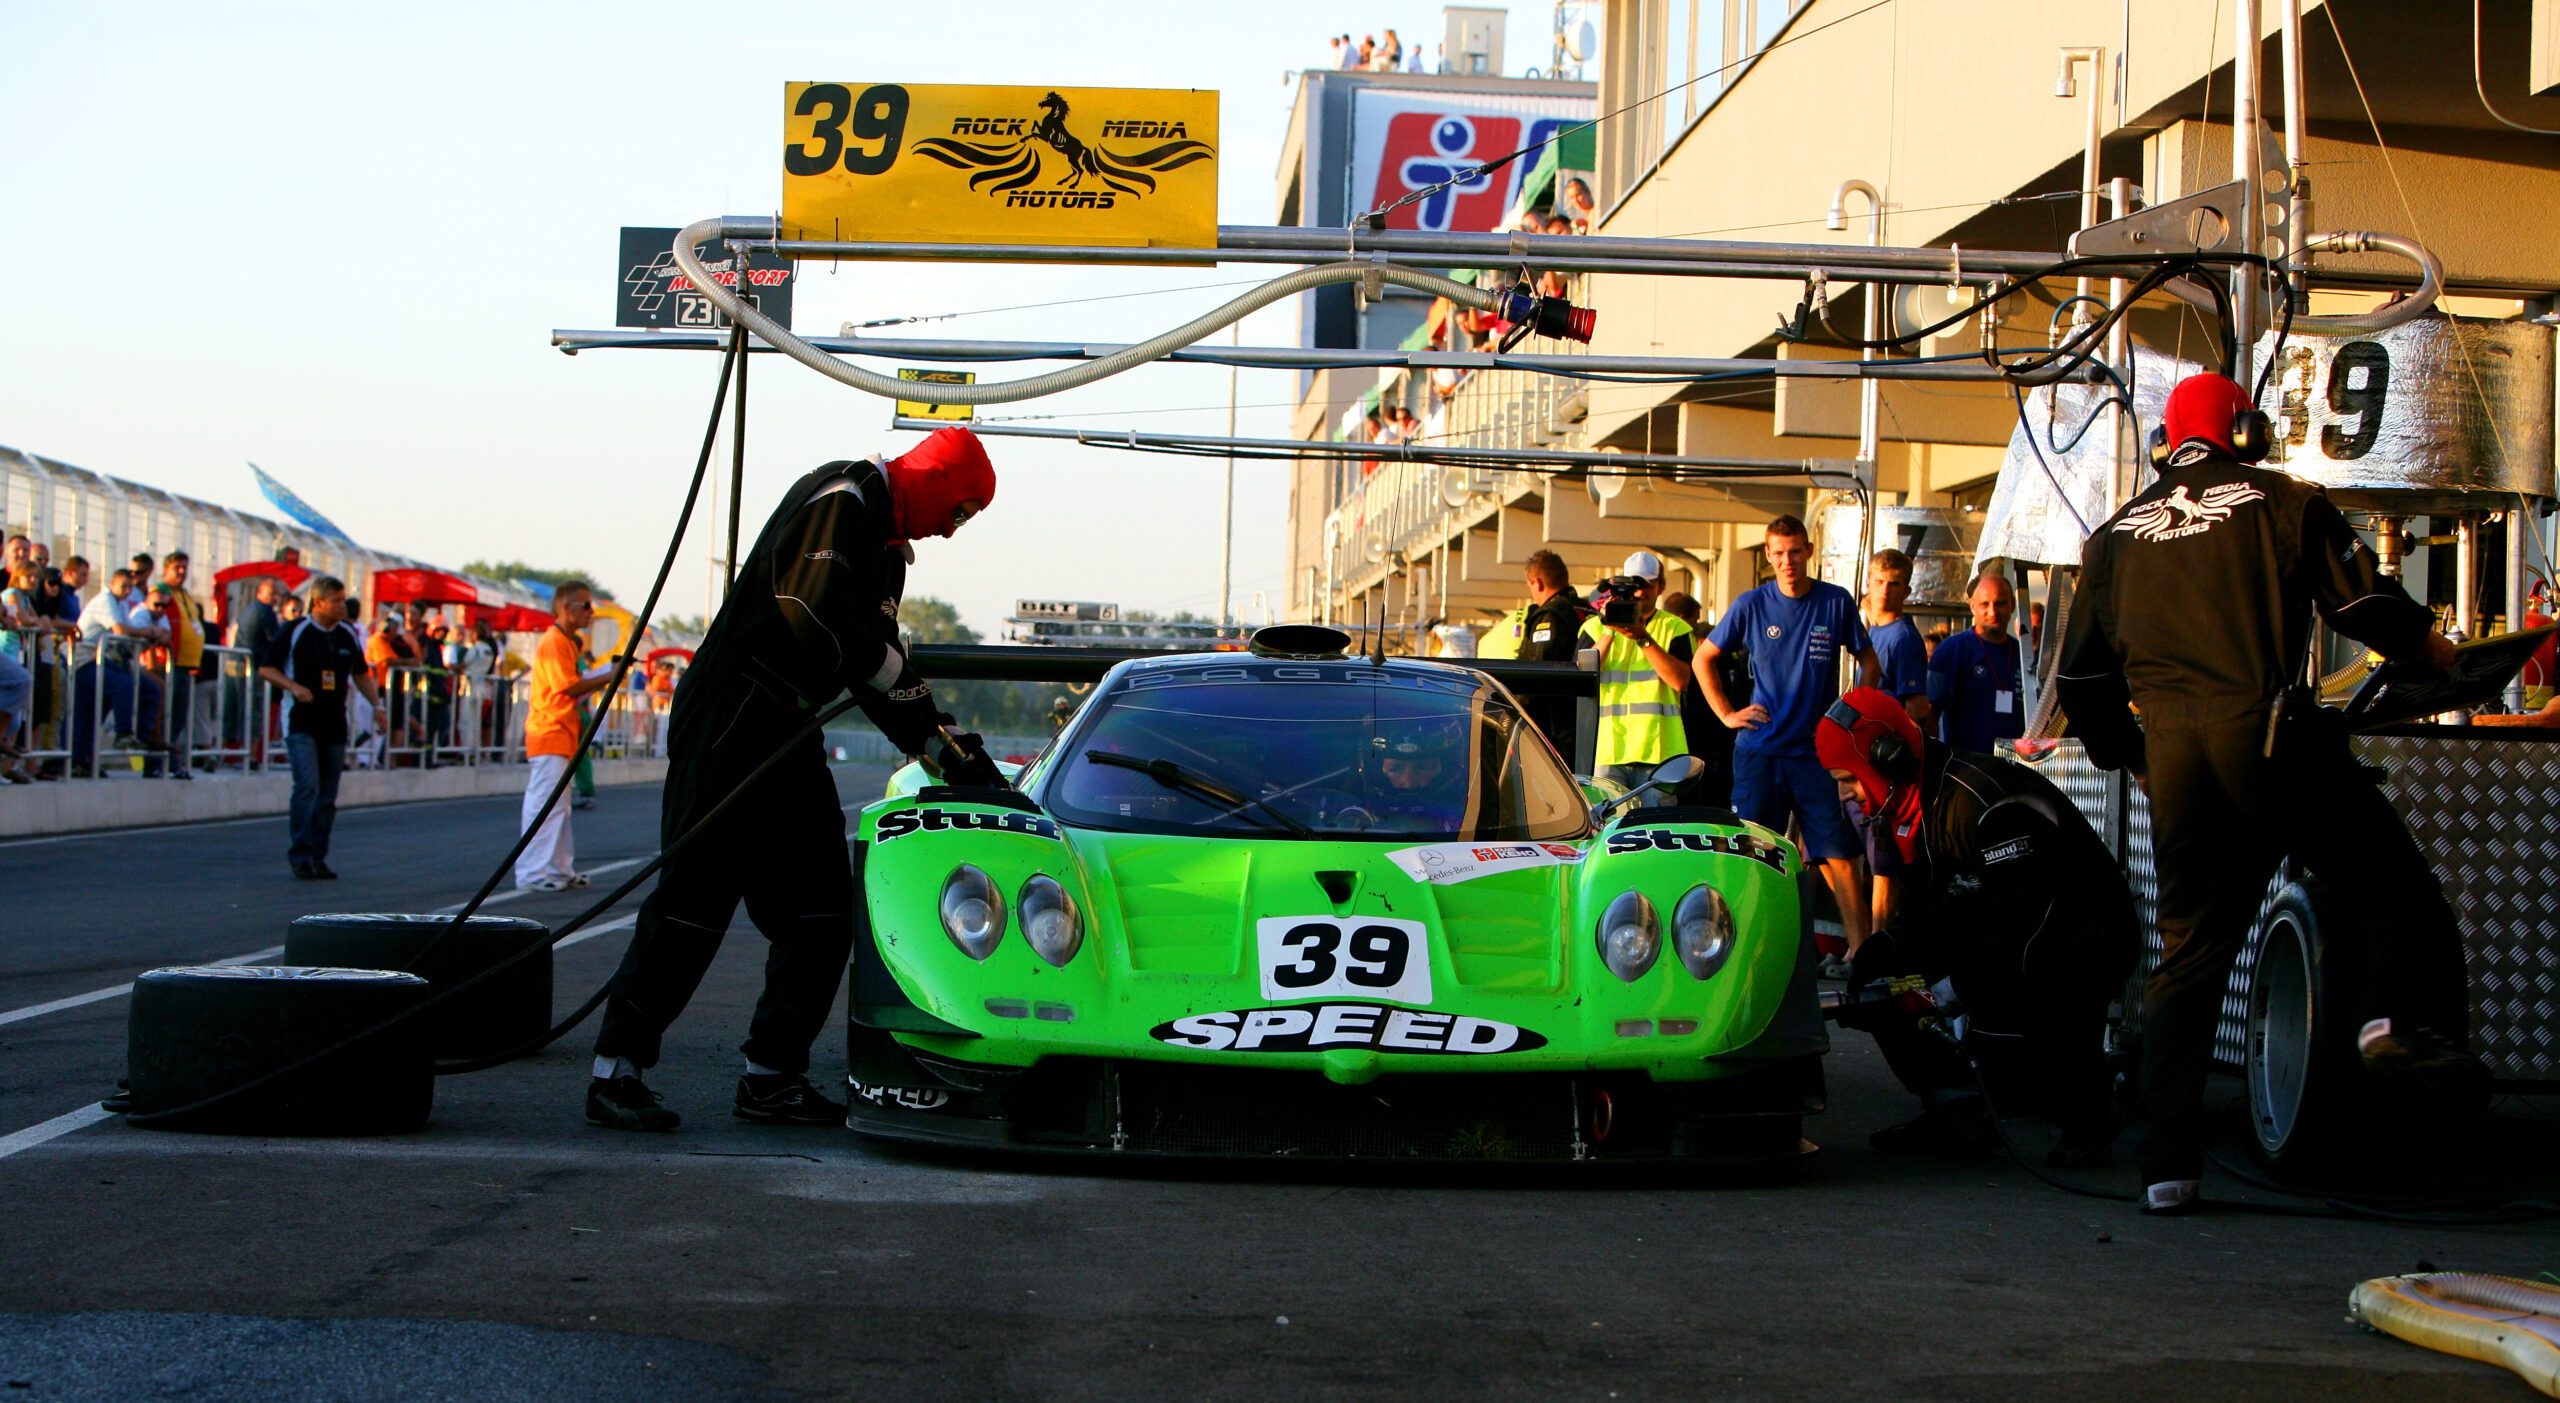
column 2279, row 1060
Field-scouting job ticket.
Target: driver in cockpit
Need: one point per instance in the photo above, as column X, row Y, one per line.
column 1421, row 773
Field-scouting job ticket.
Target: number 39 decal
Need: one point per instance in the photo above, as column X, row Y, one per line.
column 1308, row 957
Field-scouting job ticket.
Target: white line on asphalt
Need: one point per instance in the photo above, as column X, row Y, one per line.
column 55, row 1128
column 513, row 893
column 591, row 932
column 17, row 1015
column 38, row 1010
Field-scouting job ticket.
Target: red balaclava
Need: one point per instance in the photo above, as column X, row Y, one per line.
column 2204, row 406
column 936, row 476
column 1843, row 745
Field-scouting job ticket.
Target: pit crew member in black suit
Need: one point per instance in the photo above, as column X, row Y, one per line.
column 2194, row 608
column 2013, row 909
column 814, row 612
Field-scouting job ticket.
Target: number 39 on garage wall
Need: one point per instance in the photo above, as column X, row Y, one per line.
column 945, row 163
column 2439, row 403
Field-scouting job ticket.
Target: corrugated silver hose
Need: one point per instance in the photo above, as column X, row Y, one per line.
column 1008, row 391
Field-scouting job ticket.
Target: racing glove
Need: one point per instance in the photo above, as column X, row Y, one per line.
column 967, row 764
column 905, row 713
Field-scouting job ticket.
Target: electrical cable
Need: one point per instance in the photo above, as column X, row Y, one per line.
column 1472, row 173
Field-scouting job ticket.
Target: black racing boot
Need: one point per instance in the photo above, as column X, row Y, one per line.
column 2424, row 1059
column 786, row 1098
column 623, row 1103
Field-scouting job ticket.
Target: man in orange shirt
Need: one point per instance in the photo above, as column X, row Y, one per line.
column 551, row 740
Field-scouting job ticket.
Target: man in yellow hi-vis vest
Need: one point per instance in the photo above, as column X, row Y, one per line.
column 1643, row 668
column 1503, row 639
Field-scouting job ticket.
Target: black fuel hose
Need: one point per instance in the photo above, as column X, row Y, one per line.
column 701, row 468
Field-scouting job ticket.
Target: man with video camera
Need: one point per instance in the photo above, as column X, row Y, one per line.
column 1644, row 664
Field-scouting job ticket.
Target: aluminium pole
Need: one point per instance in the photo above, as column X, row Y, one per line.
column 737, row 452
column 1227, row 500
column 2246, row 168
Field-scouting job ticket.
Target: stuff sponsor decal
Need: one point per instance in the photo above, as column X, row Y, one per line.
column 1317, row 1027
column 898, row 823
column 1674, row 840
column 1445, row 864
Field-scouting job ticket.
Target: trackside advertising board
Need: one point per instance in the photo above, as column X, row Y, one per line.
column 1406, row 141
column 948, row 163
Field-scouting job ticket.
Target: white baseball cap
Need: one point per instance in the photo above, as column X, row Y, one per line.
column 1644, row 563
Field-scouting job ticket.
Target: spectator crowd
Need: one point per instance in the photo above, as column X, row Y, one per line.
column 129, row 670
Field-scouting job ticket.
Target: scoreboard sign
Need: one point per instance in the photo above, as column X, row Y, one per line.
column 655, row 292
column 950, row 163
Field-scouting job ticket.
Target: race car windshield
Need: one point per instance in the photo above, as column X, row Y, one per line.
column 1314, row 753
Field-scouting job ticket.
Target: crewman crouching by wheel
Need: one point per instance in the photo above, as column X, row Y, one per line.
column 2195, row 607
column 2009, row 900
column 814, row 611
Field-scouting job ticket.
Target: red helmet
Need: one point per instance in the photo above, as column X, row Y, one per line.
column 1868, row 736
column 933, row 478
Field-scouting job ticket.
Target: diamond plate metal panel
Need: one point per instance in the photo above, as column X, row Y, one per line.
column 2485, row 809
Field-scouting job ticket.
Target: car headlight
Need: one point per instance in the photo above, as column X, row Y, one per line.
column 1630, row 936
column 972, row 912
column 1049, row 919
column 1702, row 931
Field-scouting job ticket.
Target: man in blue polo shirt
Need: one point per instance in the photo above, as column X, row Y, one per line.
column 1796, row 627
column 1904, row 656
column 1973, row 677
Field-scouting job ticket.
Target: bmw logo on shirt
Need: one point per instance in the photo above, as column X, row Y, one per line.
column 1773, row 630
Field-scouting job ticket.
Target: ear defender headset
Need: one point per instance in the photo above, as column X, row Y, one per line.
column 1891, row 755
column 2251, row 434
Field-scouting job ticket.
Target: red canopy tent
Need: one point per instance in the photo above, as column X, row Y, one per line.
column 244, row 576
column 654, row 655
column 421, row 587
column 515, row 618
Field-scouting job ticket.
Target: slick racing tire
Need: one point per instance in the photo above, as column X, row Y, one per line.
column 2298, row 1055
column 197, row 1032
column 507, row 1010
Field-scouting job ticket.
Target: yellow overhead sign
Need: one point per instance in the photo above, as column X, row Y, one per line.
column 918, row 409
column 949, row 163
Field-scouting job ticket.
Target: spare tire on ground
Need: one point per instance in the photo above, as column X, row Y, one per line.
column 497, row 1015
column 201, row 1031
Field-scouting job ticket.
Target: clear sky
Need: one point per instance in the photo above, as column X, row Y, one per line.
column 334, row 239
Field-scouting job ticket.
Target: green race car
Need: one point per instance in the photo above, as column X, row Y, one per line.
column 1297, row 903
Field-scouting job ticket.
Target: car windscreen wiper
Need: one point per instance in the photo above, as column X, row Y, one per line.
column 1173, row 776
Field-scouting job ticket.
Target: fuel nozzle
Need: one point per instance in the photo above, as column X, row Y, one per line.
column 1905, row 998
column 1547, row 316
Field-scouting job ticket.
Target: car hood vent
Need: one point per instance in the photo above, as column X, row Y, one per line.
column 1338, row 884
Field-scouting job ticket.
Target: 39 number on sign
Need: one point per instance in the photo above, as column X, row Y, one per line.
column 1319, row 956
column 859, row 135
column 2359, row 389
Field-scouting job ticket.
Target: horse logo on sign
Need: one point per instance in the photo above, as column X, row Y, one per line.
column 1006, row 170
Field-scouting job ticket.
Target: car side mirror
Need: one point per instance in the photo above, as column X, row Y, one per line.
column 1670, row 774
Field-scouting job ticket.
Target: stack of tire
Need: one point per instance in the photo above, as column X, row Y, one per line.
column 341, row 1039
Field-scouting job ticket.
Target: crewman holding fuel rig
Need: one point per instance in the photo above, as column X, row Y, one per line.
column 2011, row 907
column 2194, row 608
column 814, row 611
